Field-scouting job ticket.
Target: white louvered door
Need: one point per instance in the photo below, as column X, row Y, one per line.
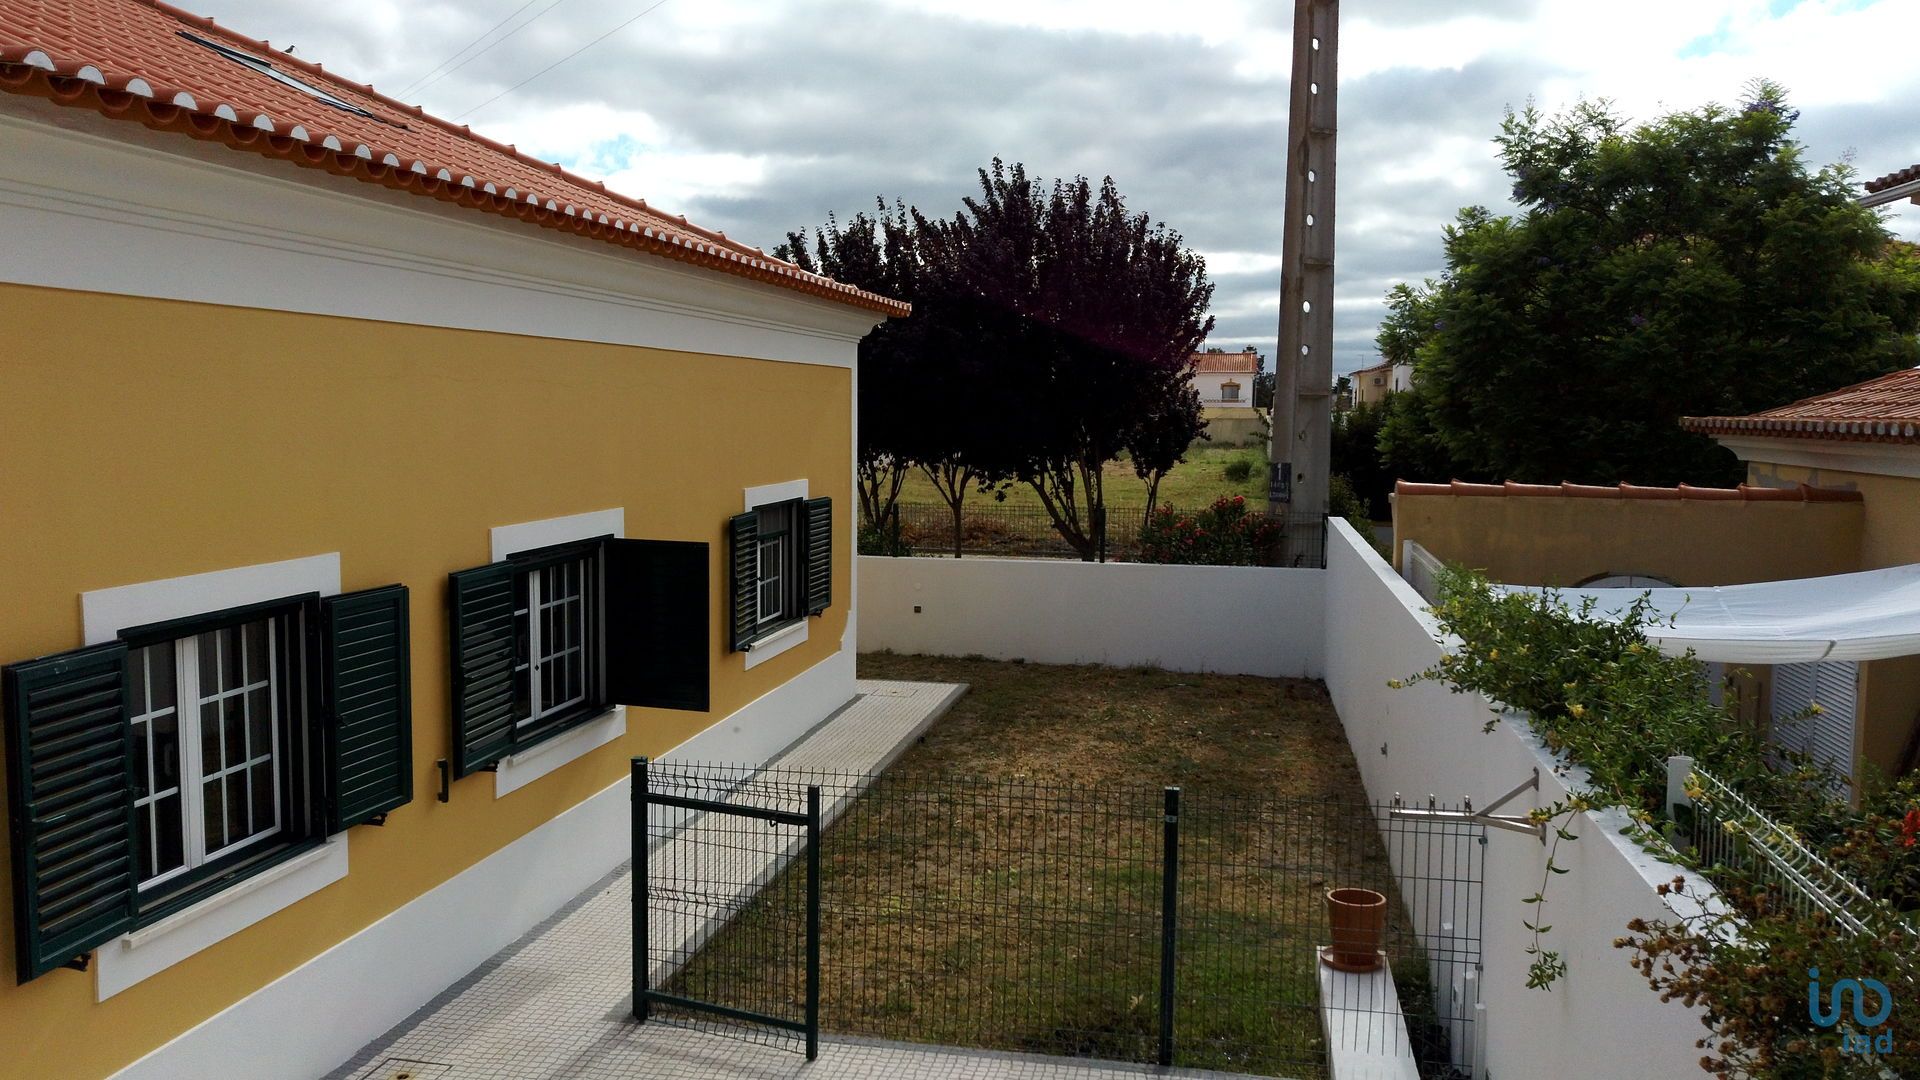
column 1827, row 737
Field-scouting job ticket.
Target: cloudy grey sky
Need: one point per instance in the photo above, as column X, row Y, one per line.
column 757, row 116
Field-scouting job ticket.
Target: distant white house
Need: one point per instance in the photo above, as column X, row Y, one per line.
column 1372, row 385
column 1224, row 379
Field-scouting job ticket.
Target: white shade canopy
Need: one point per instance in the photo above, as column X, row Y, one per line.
column 1865, row 616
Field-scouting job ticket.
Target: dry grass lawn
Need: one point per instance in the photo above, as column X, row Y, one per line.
column 1001, row 886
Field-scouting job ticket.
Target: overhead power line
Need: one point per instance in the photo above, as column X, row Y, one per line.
column 431, row 77
column 644, row 11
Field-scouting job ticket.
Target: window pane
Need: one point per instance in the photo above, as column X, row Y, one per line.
column 170, row 830
column 229, row 660
column 143, row 829
column 210, row 759
column 164, row 736
column 208, row 647
column 137, row 675
column 259, row 722
column 214, row 814
column 254, row 641
column 238, row 805
column 160, row 674
column 233, row 725
column 142, row 758
column 263, row 816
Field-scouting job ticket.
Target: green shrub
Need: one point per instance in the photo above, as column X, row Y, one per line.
column 1224, row 534
column 1239, row 470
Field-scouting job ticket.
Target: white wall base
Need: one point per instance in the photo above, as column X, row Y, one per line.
column 312, row 1019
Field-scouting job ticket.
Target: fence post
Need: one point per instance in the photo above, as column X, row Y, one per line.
column 1100, row 529
column 1169, row 919
column 642, row 1008
column 813, row 922
column 1678, row 768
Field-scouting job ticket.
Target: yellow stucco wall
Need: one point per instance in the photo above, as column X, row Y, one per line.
column 144, row 439
column 1560, row 540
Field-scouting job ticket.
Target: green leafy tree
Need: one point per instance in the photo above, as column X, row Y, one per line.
column 1355, row 455
column 1690, row 265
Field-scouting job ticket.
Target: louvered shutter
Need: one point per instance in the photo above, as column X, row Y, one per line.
column 743, row 577
column 484, row 643
column 659, row 635
column 1830, row 735
column 367, row 699
column 819, row 555
column 70, row 790
column 1792, row 691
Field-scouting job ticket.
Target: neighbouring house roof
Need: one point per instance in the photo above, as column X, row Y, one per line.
column 1884, row 410
column 1745, row 492
column 150, row 63
column 1232, row 363
column 1387, row 366
column 1893, row 179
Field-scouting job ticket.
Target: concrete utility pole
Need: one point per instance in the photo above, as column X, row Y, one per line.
column 1303, row 370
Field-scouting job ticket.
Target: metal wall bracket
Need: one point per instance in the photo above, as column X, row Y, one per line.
column 1511, row 822
column 446, row 779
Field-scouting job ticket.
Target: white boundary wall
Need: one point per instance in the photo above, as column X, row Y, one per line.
column 1601, row 1020
column 1238, row 620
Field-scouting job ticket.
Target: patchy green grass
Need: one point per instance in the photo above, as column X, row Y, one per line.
column 1001, row 886
column 1195, row 482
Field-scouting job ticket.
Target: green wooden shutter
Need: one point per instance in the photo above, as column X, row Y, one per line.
column 658, row 644
column 819, row 555
column 367, row 698
column 484, row 643
column 70, row 790
column 743, row 578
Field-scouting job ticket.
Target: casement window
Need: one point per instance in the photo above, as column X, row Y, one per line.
column 1230, row 391
column 150, row 772
column 547, row 640
column 780, row 567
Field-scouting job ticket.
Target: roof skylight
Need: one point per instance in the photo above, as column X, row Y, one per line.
column 271, row 72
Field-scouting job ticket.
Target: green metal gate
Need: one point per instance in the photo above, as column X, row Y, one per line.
column 708, row 848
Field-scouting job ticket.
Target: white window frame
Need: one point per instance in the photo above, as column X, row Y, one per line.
column 193, row 775
column 794, row 634
column 143, row 953
column 517, row 770
column 539, row 660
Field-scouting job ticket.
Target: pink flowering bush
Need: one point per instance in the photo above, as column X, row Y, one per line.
column 1224, row 534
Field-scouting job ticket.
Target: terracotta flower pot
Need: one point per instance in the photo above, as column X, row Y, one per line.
column 1359, row 921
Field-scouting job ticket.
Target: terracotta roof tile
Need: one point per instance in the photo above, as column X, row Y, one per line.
column 1242, row 363
column 1886, row 410
column 1893, row 179
column 139, row 60
column 1743, row 493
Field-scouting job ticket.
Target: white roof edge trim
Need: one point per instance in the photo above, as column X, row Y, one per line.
column 38, row 59
column 140, row 86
